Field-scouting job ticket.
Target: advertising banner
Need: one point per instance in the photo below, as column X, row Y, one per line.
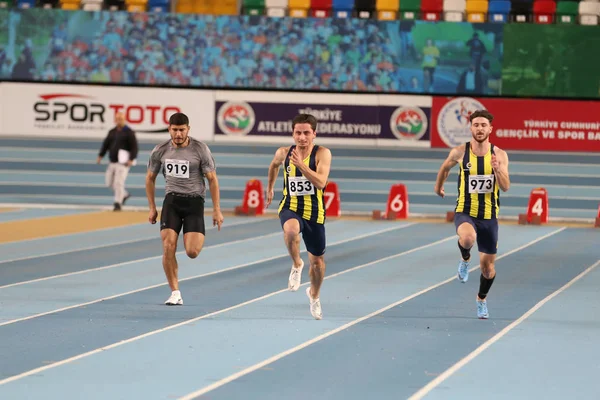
column 520, row 124
column 369, row 119
column 84, row 111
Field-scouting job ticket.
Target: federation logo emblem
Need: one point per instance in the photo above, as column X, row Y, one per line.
column 408, row 123
column 453, row 120
column 236, row 118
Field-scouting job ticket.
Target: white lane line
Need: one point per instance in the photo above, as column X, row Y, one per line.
column 101, row 246
column 136, row 338
column 450, row 371
column 184, row 279
column 301, row 346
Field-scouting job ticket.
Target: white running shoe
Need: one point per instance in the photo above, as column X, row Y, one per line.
column 175, row 299
column 295, row 278
column 315, row 305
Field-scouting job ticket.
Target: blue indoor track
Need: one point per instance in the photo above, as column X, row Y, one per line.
column 58, row 173
column 82, row 316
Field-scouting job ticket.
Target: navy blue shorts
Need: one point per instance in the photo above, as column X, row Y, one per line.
column 486, row 230
column 313, row 234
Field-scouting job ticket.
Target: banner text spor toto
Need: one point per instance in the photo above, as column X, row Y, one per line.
column 519, row 124
column 85, row 111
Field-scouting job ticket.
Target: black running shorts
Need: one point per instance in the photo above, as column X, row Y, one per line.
column 182, row 211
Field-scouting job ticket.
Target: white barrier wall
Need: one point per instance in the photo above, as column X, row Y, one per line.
column 82, row 111
column 87, row 111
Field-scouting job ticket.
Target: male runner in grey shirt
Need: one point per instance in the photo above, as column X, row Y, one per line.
column 185, row 162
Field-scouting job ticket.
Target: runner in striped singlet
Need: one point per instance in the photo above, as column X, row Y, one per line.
column 302, row 209
column 483, row 172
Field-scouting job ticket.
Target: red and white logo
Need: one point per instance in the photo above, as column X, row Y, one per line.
column 61, row 110
column 236, row 118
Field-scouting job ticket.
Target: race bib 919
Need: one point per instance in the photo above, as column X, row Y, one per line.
column 300, row 186
column 481, row 183
column 177, row 168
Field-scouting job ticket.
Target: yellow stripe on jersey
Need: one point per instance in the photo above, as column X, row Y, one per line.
column 487, row 170
column 321, row 216
column 309, row 207
column 474, row 196
column 460, row 201
column 293, row 199
column 307, row 214
column 483, row 205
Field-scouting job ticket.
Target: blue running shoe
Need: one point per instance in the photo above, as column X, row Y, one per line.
column 463, row 271
column 482, row 311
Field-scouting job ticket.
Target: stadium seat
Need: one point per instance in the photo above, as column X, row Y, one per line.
column 159, row 6
column 566, row 12
column 298, row 8
column 476, row 11
column 521, row 11
column 114, row 5
column 276, row 8
column 498, row 11
column 184, row 6
column 431, row 10
column 364, row 9
column 589, row 12
column 320, row 8
column 253, row 7
column 70, row 4
column 203, row 7
column 92, row 5
column 543, row 11
column 387, row 9
column 342, row 8
column 410, row 9
column 454, row 10
column 24, row 4
column 136, row 5
column 48, row 4
column 225, row 7
column 276, row 12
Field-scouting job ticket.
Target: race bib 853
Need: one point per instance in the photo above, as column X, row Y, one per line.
column 300, row 186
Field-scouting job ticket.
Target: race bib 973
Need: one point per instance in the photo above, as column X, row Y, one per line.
column 300, row 186
column 481, row 183
column 177, row 168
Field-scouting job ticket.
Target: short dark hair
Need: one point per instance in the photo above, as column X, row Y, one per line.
column 481, row 113
column 179, row 119
column 305, row 119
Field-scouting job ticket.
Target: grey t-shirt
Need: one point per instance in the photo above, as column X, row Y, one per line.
column 183, row 168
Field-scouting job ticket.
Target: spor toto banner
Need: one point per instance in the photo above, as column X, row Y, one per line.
column 520, row 124
column 241, row 119
column 89, row 111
